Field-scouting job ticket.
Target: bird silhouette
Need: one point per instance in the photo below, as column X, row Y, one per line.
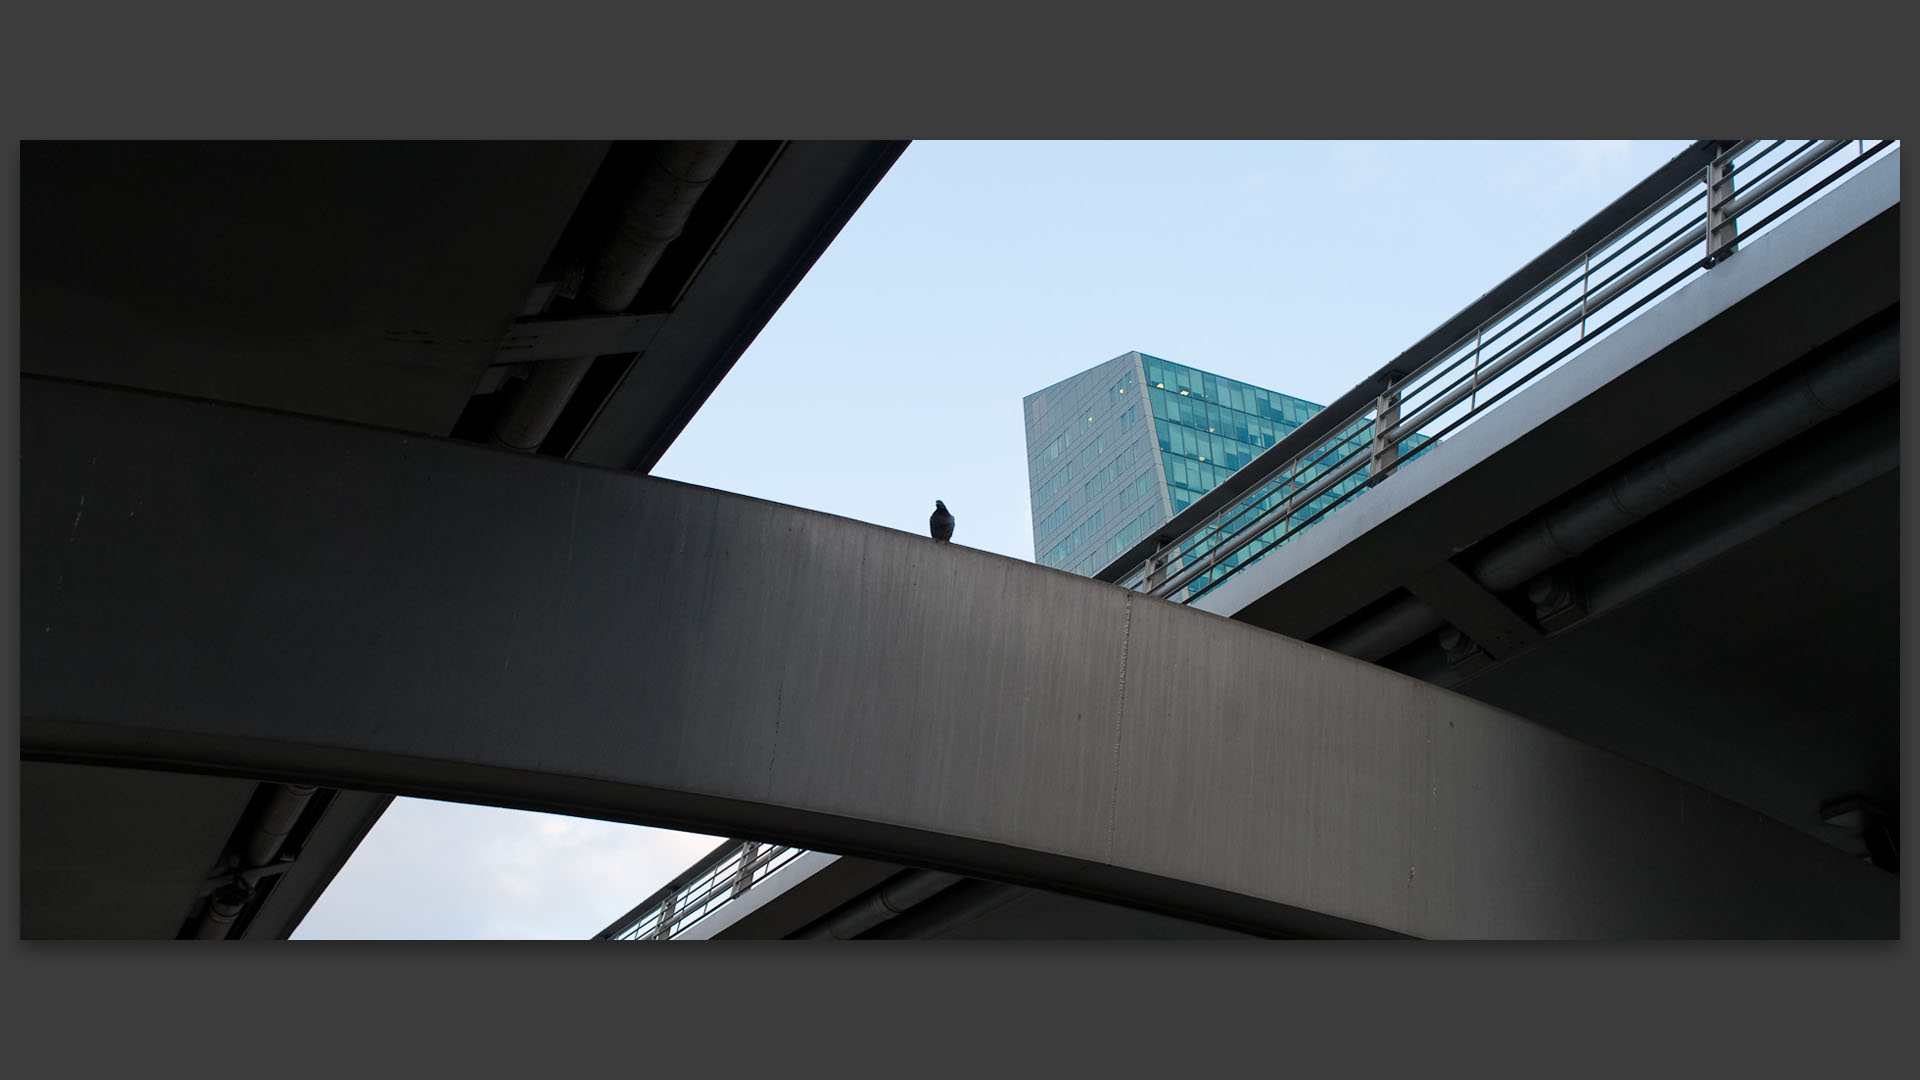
column 941, row 523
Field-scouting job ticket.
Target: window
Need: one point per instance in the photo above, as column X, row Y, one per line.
column 1139, row 488
column 1056, row 519
column 1054, row 449
column 1052, row 487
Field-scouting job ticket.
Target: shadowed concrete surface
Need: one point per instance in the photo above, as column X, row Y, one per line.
column 226, row 590
column 1716, row 597
column 574, row 299
column 1741, row 635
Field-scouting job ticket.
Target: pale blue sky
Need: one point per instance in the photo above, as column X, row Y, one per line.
column 976, row 273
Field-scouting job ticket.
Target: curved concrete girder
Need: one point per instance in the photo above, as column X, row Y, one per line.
column 219, row 589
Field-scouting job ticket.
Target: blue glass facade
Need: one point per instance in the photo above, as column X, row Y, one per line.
column 1117, row 450
column 1208, row 426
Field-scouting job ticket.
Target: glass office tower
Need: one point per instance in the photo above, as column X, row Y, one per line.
column 1117, row 450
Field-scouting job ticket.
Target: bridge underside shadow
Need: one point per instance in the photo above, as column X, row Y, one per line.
column 229, row 591
column 1682, row 545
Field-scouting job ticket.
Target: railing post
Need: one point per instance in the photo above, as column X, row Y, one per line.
column 1219, row 528
column 1721, row 229
column 1586, row 273
column 1156, row 568
column 1386, row 413
column 1473, row 402
column 743, row 877
column 665, row 930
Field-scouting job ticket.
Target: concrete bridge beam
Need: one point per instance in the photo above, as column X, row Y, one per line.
column 222, row 590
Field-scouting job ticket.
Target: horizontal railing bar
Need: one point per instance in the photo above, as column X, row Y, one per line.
column 1690, row 184
column 1647, row 198
column 692, row 873
column 1514, row 353
column 1582, row 262
column 1657, row 256
column 1319, row 487
column 1256, row 538
column 1624, row 248
column 1291, row 480
column 1486, row 373
column 1219, row 537
column 699, row 885
column 1521, row 350
column 1812, row 190
column 1745, row 200
column 1736, row 177
column 1287, row 474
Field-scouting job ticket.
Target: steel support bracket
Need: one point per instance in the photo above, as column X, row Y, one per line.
column 1482, row 616
column 1722, row 228
column 534, row 340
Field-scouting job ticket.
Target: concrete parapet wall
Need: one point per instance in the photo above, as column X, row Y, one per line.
column 219, row 589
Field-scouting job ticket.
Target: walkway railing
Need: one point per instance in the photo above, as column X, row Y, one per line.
column 1740, row 194
column 725, row 873
column 1747, row 188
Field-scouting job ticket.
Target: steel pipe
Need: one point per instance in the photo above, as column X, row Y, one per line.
column 542, row 397
column 896, row 895
column 266, row 834
column 1835, row 383
column 653, row 216
column 276, row 820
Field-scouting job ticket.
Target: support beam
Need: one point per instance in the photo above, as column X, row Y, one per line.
column 1478, row 613
column 216, row 589
column 532, row 340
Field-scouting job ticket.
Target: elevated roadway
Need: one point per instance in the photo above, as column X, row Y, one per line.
column 236, row 592
column 1680, row 546
column 571, row 300
column 300, row 539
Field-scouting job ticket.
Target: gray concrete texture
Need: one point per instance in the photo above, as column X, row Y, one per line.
column 73, row 818
column 318, row 309
column 224, row 590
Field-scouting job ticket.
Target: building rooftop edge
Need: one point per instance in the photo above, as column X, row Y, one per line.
column 1150, row 356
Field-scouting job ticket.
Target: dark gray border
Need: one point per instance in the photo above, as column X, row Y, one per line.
column 335, row 71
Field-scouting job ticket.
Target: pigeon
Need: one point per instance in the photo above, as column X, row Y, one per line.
column 941, row 523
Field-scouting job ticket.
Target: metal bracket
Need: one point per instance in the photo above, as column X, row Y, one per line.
column 743, row 877
column 1385, row 415
column 1157, row 564
column 1721, row 227
column 1464, row 655
column 245, row 879
column 1482, row 616
column 1556, row 603
column 664, row 929
column 533, row 340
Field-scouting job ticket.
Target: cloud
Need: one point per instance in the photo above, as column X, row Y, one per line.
column 449, row 871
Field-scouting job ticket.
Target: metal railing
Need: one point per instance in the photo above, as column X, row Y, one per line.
column 1747, row 188
column 1676, row 237
column 706, row 886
